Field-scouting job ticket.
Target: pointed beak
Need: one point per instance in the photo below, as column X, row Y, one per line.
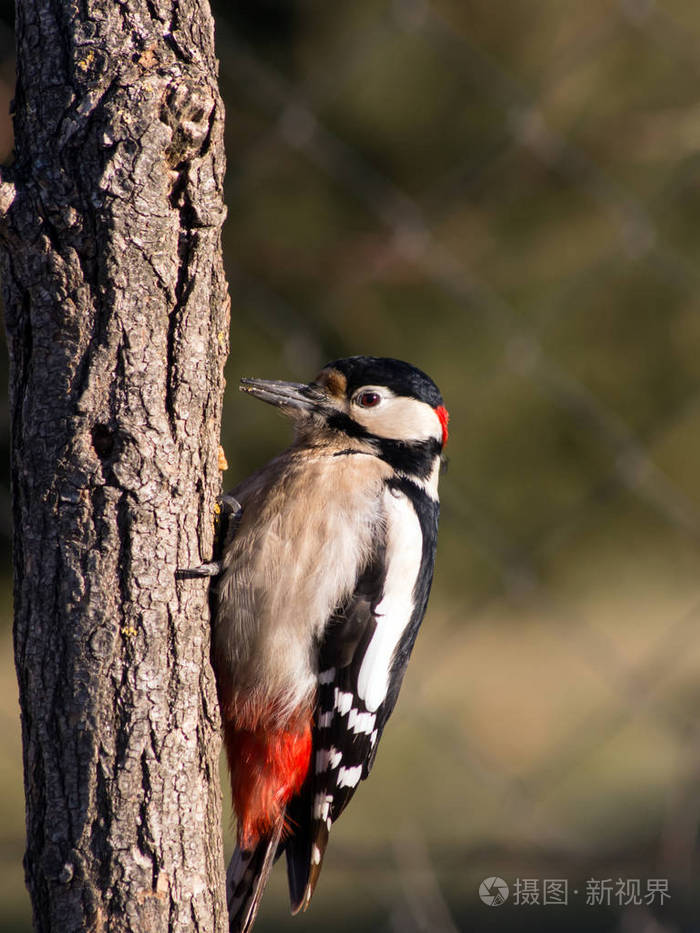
column 295, row 395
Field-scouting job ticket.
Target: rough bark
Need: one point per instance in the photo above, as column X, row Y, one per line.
column 117, row 322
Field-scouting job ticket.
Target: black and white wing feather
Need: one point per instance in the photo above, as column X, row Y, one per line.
column 363, row 660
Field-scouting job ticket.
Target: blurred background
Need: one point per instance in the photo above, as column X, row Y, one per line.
column 507, row 196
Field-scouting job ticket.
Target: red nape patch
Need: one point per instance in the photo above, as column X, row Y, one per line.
column 267, row 769
column 444, row 417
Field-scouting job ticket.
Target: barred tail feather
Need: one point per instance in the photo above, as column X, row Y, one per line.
column 247, row 875
column 304, row 847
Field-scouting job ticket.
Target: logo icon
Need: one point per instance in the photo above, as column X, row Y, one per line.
column 493, row 891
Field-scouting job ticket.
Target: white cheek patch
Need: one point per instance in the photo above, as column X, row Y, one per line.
column 403, row 560
column 400, row 418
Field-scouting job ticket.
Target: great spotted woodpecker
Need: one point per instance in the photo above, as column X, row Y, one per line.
column 323, row 583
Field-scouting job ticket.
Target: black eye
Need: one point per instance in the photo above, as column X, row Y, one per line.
column 368, row 399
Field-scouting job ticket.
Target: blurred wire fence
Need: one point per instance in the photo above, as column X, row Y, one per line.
column 508, row 197
column 416, row 116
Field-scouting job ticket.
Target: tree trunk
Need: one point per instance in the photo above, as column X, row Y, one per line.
column 117, row 321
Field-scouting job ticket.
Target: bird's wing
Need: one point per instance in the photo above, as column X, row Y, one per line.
column 363, row 658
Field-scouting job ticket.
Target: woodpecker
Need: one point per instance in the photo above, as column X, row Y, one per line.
column 323, row 584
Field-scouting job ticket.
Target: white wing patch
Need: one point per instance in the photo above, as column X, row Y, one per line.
column 361, row 722
column 328, row 759
column 343, row 702
column 322, row 805
column 403, row 560
column 349, row 777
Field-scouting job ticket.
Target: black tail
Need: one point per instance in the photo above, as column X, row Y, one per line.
column 246, row 878
column 297, row 847
column 249, row 869
column 304, row 847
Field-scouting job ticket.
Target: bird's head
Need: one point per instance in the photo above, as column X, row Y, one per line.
column 374, row 400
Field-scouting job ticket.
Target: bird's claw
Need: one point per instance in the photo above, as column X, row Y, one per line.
column 229, row 511
column 211, row 569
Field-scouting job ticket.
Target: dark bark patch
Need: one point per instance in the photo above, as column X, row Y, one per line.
column 102, row 441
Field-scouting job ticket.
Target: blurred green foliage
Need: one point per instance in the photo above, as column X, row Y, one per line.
column 505, row 195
